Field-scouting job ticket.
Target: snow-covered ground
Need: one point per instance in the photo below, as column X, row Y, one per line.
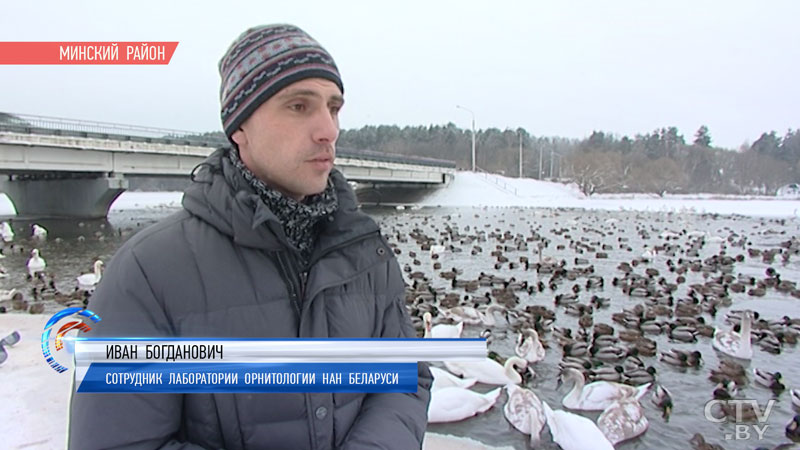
column 481, row 189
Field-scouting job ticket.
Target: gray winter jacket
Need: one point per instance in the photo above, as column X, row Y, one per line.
column 222, row 268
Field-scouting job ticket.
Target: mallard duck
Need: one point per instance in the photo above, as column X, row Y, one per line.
column 573, row 432
column 598, row 395
column 682, row 358
column 623, row 420
column 735, row 344
column 793, row 429
column 729, row 370
column 699, row 443
column 771, row 380
column 452, row 404
column 525, row 412
column 663, row 399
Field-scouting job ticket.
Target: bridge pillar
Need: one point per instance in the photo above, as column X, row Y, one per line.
column 75, row 197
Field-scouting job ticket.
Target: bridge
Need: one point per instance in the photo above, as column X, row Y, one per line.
column 69, row 168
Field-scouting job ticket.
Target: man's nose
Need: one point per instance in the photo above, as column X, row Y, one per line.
column 326, row 127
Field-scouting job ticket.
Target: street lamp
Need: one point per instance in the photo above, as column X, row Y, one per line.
column 473, row 134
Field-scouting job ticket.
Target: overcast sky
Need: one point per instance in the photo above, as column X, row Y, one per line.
column 557, row 68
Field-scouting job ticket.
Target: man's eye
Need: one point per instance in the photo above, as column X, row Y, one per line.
column 299, row 107
column 335, row 109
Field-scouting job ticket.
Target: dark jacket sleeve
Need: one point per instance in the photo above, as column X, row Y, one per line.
column 394, row 420
column 127, row 307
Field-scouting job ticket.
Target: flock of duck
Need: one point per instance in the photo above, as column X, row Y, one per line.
column 622, row 307
column 41, row 281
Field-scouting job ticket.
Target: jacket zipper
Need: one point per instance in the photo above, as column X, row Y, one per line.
column 296, row 279
column 290, row 279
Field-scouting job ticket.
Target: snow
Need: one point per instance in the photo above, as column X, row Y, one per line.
column 481, row 189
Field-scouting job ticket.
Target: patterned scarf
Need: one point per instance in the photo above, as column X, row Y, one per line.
column 298, row 219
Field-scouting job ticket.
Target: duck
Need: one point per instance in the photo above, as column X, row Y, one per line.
column 524, row 411
column 88, row 281
column 699, row 443
column 490, row 371
column 682, row 358
column 574, row 432
column 441, row 330
column 623, row 420
column 36, row 264
column 529, row 347
column 597, row 395
column 735, row 344
column 443, row 379
column 795, row 393
column 452, row 404
column 793, row 429
column 771, row 380
column 662, row 398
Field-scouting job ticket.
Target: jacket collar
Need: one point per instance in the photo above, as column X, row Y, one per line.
column 221, row 196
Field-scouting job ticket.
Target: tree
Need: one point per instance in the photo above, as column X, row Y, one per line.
column 702, row 138
column 595, row 171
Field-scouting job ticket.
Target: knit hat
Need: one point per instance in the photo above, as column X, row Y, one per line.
column 262, row 61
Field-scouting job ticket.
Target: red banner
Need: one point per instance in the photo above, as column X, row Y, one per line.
column 85, row 53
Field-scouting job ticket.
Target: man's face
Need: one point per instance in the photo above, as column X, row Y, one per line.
column 289, row 142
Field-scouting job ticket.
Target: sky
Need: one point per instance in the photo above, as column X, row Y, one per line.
column 562, row 68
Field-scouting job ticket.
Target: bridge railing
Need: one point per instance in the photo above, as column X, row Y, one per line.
column 29, row 124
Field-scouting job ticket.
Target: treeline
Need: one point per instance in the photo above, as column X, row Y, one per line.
column 659, row 162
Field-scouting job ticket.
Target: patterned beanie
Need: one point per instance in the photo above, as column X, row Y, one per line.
column 262, row 61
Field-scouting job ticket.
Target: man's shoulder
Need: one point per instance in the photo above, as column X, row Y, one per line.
column 161, row 238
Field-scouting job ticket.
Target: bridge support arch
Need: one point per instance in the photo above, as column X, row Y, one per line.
column 88, row 197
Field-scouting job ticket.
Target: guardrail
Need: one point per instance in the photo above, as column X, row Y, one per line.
column 502, row 185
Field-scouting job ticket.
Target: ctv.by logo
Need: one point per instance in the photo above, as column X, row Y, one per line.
column 740, row 411
column 69, row 326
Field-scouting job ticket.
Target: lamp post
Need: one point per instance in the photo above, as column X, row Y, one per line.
column 473, row 134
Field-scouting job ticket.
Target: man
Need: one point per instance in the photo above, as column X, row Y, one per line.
column 269, row 244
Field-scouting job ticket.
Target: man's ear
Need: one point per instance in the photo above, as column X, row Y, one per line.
column 239, row 137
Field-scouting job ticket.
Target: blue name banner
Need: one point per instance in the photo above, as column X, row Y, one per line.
column 220, row 377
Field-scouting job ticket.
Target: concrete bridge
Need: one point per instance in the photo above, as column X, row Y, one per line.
column 69, row 168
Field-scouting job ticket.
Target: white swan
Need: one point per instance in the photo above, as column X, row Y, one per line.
column 525, row 412
column 441, row 330
column 88, row 281
column 623, row 420
column 573, row 432
column 452, row 404
column 36, row 263
column 489, row 371
column 443, row 379
column 598, row 395
column 735, row 344
column 435, row 441
column 38, row 232
column 529, row 347
column 6, row 232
